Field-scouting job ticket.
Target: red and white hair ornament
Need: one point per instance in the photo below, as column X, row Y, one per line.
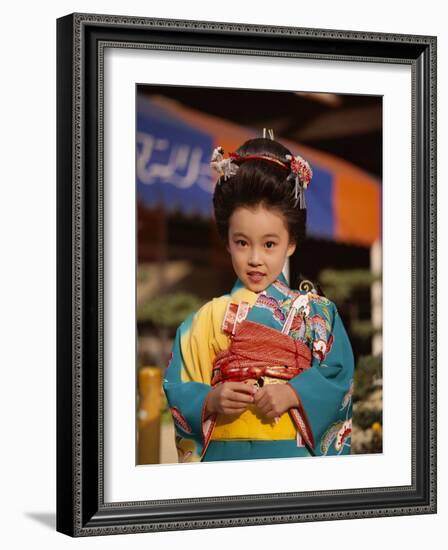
column 224, row 167
column 301, row 173
column 300, row 170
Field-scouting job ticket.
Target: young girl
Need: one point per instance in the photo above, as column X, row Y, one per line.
column 265, row 371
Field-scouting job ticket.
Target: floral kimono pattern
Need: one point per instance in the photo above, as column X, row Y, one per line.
column 278, row 336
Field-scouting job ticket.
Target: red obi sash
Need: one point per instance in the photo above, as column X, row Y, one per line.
column 257, row 350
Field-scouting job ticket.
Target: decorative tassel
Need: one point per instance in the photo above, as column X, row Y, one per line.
column 301, row 173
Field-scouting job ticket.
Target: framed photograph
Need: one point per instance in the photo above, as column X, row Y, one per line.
column 168, row 297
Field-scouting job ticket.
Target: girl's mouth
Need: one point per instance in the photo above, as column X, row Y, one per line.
column 255, row 276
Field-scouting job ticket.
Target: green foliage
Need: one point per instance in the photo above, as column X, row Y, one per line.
column 143, row 275
column 368, row 370
column 168, row 310
column 340, row 284
column 364, row 418
column 166, row 417
column 363, row 329
column 165, row 413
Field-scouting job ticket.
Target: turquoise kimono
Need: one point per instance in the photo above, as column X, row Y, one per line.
column 319, row 426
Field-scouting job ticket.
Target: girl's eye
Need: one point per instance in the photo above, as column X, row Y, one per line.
column 270, row 244
column 241, row 242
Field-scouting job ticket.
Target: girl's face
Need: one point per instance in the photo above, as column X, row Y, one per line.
column 259, row 244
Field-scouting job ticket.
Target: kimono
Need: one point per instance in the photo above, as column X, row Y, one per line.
column 280, row 335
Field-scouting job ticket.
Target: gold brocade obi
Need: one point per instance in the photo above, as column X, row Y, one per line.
column 250, row 424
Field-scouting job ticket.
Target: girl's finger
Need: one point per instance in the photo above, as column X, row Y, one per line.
column 236, row 397
column 263, row 401
column 270, row 414
column 241, row 387
column 230, row 409
column 232, row 405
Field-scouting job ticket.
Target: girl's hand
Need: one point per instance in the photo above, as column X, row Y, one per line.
column 229, row 398
column 274, row 399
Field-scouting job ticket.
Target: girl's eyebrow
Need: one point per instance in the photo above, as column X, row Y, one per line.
column 240, row 234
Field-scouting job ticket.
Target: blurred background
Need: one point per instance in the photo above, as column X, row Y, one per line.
column 183, row 264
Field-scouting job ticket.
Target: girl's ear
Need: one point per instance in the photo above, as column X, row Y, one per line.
column 291, row 249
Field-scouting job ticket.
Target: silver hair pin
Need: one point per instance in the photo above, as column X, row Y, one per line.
column 269, row 131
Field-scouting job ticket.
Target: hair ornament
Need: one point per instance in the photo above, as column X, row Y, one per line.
column 238, row 158
column 301, row 173
column 299, row 170
column 269, row 131
column 225, row 167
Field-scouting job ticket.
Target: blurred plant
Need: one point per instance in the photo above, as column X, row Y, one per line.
column 340, row 284
column 368, row 405
column 165, row 413
column 168, row 310
column 367, row 418
column 367, row 441
column 350, row 290
column 377, row 428
column 143, row 274
column 368, row 375
column 363, row 329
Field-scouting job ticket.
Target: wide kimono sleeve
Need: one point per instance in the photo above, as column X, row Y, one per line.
column 187, row 383
column 325, row 389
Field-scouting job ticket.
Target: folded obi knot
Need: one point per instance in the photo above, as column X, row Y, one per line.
column 256, row 351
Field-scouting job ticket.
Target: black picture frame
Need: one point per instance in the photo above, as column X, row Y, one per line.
column 81, row 510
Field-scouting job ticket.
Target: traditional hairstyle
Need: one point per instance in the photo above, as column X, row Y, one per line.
column 261, row 171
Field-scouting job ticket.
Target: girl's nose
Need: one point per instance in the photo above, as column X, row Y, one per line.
column 254, row 258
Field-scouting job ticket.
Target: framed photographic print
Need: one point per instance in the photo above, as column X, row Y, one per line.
column 246, row 274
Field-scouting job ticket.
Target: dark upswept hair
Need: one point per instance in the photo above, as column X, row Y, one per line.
column 259, row 182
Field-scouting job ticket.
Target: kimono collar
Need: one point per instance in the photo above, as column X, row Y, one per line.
column 277, row 289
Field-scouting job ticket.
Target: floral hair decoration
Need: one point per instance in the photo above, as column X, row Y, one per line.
column 299, row 170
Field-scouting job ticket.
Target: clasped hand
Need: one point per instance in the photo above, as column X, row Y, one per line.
column 272, row 400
